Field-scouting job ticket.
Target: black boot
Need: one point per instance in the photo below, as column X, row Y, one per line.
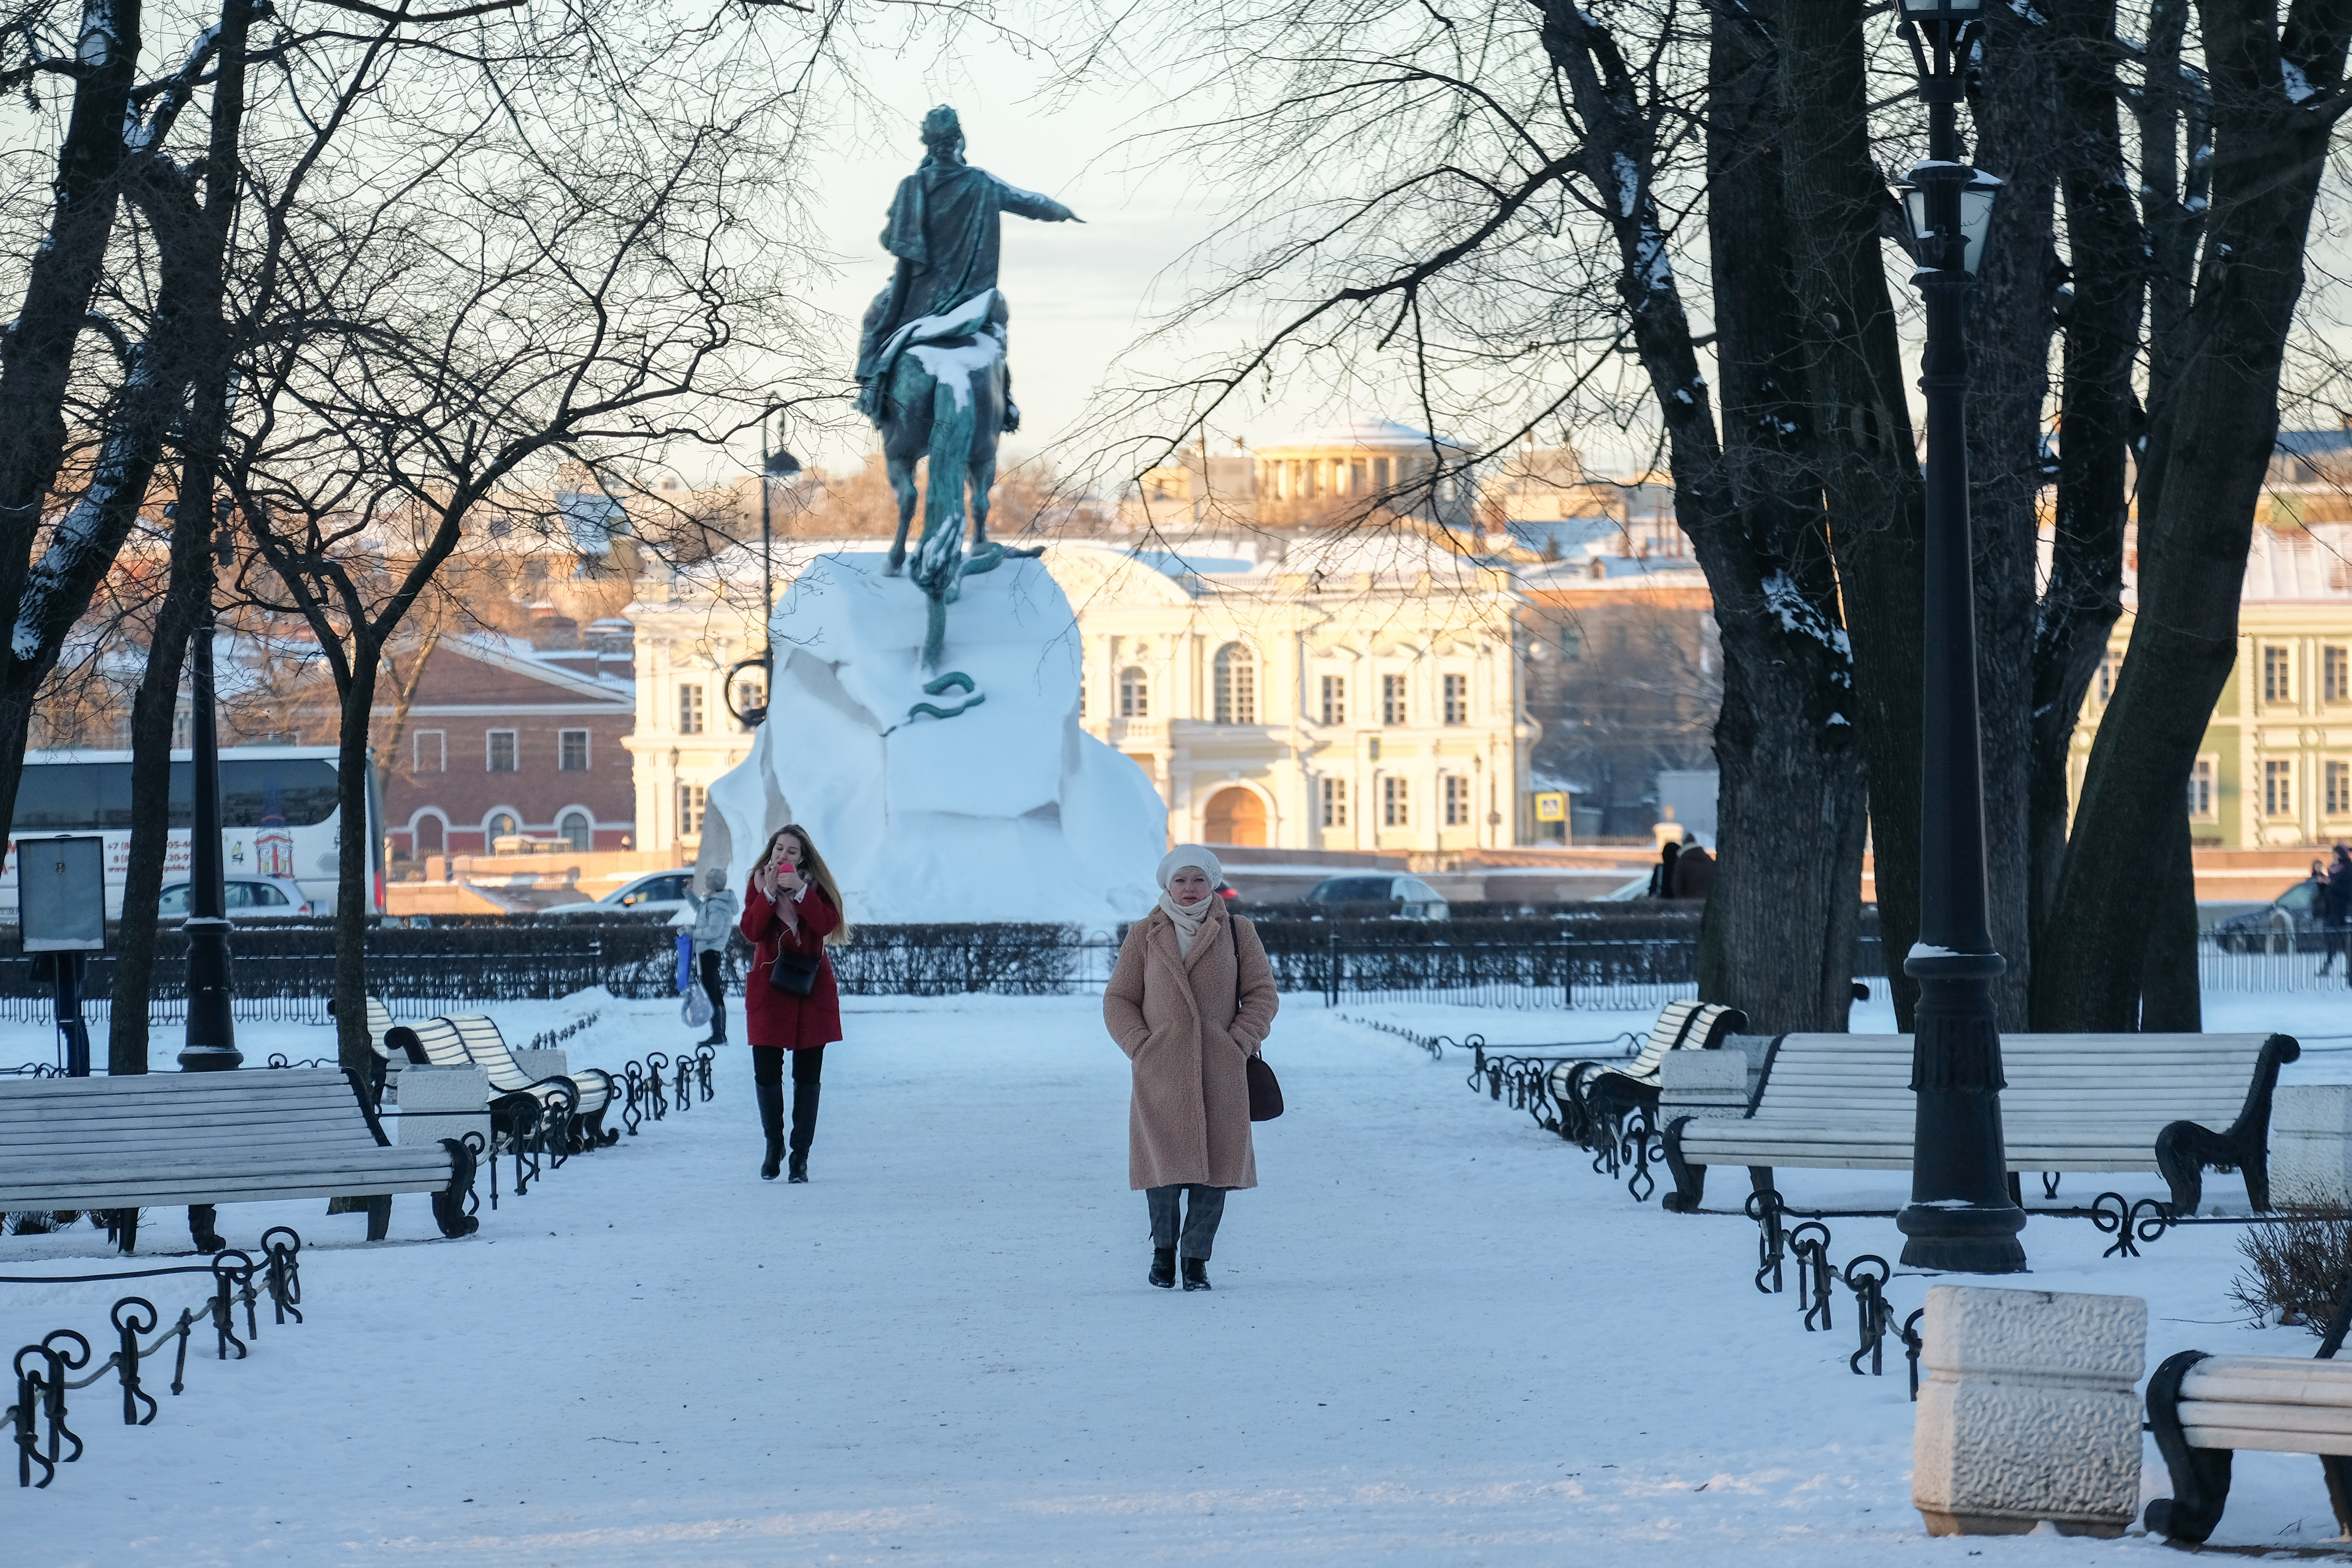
column 772, row 1122
column 1163, row 1267
column 1196, row 1274
column 203, row 1227
column 804, row 1098
column 717, row 1036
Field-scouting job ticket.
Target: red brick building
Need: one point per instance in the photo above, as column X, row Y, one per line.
column 501, row 739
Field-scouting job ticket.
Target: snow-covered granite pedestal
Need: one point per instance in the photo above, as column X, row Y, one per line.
column 1006, row 811
column 2028, row 1412
column 2311, row 1146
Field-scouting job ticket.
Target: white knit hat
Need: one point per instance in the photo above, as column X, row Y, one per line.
column 1193, row 854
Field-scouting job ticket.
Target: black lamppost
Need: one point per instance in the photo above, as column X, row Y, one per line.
column 212, row 1032
column 1961, row 1217
column 775, row 464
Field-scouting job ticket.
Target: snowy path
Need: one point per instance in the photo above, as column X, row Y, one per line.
column 1436, row 1338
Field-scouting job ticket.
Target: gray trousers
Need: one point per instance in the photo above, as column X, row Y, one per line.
column 1199, row 1225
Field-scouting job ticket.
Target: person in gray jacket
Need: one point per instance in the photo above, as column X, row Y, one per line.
column 715, row 914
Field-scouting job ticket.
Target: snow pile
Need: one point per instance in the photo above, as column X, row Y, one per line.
column 1007, row 810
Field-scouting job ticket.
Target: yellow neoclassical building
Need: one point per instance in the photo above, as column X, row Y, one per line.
column 2275, row 768
column 1361, row 695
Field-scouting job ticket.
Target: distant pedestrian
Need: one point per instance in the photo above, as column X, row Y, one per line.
column 1694, row 873
column 2333, row 905
column 1189, row 1002
column 715, row 914
column 792, row 909
column 1661, row 875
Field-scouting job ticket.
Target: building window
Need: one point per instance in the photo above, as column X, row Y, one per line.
column 2200, row 790
column 1457, row 800
column 1572, row 644
column 578, row 831
column 2107, row 676
column 501, row 824
column 2277, row 683
column 2335, row 674
column 1237, row 685
column 2278, row 788
column 1392, row 708
column 2339, row 788
column 692, row 801
column 502, row 751
column 572, row 750
column 430, row 749
column 1396, row 803
column 751, row 701
column 1457, row 700
column 1335, row 699
column 1335, row 803
column 689, row 710
column 1134, row 693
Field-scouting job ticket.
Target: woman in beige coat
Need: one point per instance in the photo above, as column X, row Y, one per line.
column 1189, row 1001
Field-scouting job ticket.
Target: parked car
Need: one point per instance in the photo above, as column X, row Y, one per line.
column 246, row 897
column 654, row 893
column 1408, row 898
column 2290, row 923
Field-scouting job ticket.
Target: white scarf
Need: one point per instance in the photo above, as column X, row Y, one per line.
column 1188, row 921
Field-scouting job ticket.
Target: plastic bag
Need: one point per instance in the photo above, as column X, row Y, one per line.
column 695, row 1011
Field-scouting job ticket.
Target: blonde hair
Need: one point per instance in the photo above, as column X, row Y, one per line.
column 813, row 866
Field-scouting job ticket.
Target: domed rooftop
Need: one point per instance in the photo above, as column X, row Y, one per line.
column 1357, row 433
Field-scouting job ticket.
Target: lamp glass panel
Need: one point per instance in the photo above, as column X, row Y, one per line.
column 1928, row 10
column 1914, row 209
column 1975, row 216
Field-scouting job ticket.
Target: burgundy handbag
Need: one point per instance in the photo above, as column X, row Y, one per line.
column 1265, row 1088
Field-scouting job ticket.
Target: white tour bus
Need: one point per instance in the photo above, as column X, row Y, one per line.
column 279, row 817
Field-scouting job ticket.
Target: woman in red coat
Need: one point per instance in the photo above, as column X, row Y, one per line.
column 793, row 905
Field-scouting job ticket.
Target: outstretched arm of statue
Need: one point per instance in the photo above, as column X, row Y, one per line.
column 1029, row 204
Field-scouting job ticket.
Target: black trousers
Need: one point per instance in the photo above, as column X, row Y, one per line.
column 712, row 988
column 808, row 1070
column 1196, row 1227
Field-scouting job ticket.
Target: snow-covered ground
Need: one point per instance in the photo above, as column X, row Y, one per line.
column 1436, row 1337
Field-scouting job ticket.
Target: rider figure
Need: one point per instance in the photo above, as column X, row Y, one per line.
column 944, row 229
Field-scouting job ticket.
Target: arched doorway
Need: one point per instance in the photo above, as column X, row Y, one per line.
column 1236, row 816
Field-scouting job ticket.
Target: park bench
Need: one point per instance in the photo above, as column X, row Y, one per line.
column 592, row 1085
column 115, row 1146
column 1604, row 1093
column 2203, row 1409
column 526, row 1124
column 2074, row 1102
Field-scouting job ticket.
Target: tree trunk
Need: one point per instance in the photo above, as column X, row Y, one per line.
column 2216, row 430
column 1867, row 462
column 151, row 715
column 2170, row 1000
column 2009, row 361
column 352, row 902
column 36, row 351
column 2099, row 420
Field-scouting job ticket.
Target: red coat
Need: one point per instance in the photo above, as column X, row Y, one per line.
column 773, row 1017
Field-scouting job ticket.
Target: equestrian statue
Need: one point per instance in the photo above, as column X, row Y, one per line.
column 931, row 370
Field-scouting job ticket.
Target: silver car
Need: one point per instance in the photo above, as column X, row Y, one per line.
column 1408, row 898
column 245, row 898
column 656, row 892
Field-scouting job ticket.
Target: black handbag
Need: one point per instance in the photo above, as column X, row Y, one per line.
column 795, row 973
column 1265, row 1088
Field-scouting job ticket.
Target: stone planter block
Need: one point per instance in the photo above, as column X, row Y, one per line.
column 541, row 1064
column 2311, row 1146
column 443, row 1102
column 2028, row 1412
column 1701, row 1083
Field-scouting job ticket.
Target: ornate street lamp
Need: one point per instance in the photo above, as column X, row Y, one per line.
column 775, row 464
column 1961, row 1217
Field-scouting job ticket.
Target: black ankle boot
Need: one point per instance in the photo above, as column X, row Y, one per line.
column 1163, row 1267
column 1196, row 1274
column 800, row 1167
column 772, row 1122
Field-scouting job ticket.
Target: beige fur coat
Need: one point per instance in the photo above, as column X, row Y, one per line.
column 1187, row 1024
